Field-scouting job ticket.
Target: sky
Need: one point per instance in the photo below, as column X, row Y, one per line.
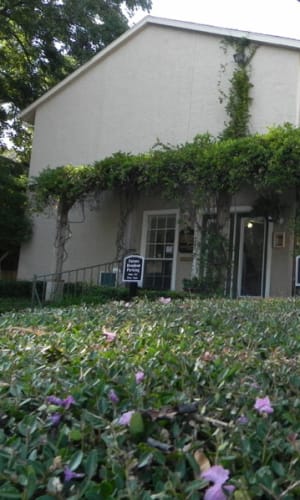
column 273, row 17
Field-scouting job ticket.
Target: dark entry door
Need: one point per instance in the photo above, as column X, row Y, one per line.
column 252, row 255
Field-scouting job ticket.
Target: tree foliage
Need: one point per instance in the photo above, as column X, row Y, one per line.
column 61, row 188
column 65, row 185
column 42, row 41
column 15, row 224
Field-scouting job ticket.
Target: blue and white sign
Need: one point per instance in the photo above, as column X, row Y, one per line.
column 133, row 268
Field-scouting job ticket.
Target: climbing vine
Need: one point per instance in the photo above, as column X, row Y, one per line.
column 60, row 189
column 238, row 99
column 237, row 107
column 207, row 170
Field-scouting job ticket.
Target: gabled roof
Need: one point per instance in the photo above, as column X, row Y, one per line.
column 28, row 114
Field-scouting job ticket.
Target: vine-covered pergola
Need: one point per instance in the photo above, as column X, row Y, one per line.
column 204, row 173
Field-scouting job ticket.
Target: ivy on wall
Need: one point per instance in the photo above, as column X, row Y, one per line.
column 238, row 99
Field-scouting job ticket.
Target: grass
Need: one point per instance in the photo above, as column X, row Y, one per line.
column 205, row 363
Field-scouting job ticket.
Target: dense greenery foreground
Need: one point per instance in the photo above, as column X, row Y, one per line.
column 188, row 371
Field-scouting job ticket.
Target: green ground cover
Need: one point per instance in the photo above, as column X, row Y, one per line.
column 151, row 400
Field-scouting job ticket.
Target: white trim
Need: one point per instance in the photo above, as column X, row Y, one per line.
column 172, row 211
column 233, row 209
column 269, row 259
column 233, row 242
column 297, row 282
column 240, row 209
column 241, row 254
column 28, row 114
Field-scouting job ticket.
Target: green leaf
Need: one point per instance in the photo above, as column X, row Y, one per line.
column 91, row 463
column 8, row 491
column 75, row 435
column 241, row 495
column 136, row 425
column 45, row 497
column 31, row 482
column 76, row 460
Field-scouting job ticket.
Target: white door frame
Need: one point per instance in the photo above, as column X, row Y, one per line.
column 267, row 257
column 172, row 211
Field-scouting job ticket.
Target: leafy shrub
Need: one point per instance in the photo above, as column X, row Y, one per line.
column 15, row 288
column 136, row 400
column 14, row 304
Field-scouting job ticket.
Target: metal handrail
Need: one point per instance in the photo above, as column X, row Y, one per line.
column 53, row 286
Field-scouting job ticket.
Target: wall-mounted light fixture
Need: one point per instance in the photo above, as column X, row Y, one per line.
column 239, row 58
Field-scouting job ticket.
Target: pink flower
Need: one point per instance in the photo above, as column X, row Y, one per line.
column 139, row 377
column 217, row 475
column 114, row 398
column 208, row 356
column 164, row 300
column 263, row 405
column 110, row 336
column 125, row 418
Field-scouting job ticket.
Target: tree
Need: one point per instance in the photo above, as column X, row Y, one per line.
column 60, row 189
column 15, row 224
column 42, row 41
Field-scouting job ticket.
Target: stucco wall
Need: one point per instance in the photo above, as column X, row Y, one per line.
column 93, row 239
column 161, row 84
column 283, row 259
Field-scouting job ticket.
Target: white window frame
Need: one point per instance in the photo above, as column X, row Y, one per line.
column 171, row 211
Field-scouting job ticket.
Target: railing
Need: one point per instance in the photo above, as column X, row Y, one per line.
column 74, row 282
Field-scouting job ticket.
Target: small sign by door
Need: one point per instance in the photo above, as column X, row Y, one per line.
column 133, row 268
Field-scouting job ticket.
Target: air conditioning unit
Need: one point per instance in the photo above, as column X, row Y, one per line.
column 107, row 278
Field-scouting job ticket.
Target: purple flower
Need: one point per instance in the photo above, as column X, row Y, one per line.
column 242, row 420
column 53, row 400
column 217, row 475
column 69, row 475
column 64, row 403
column 263, row 405
column 139, row 377
column 125, row 418
column 216, row 492
column 114, row 398
column 55, row 418
column 68, row 401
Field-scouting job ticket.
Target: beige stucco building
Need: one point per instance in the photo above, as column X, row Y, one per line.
column 161, row 80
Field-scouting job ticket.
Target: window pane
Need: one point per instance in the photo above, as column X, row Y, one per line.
column 170, row 235
column 152, row 221
column 160, row 236
column 161, row 222
column 171, row 221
